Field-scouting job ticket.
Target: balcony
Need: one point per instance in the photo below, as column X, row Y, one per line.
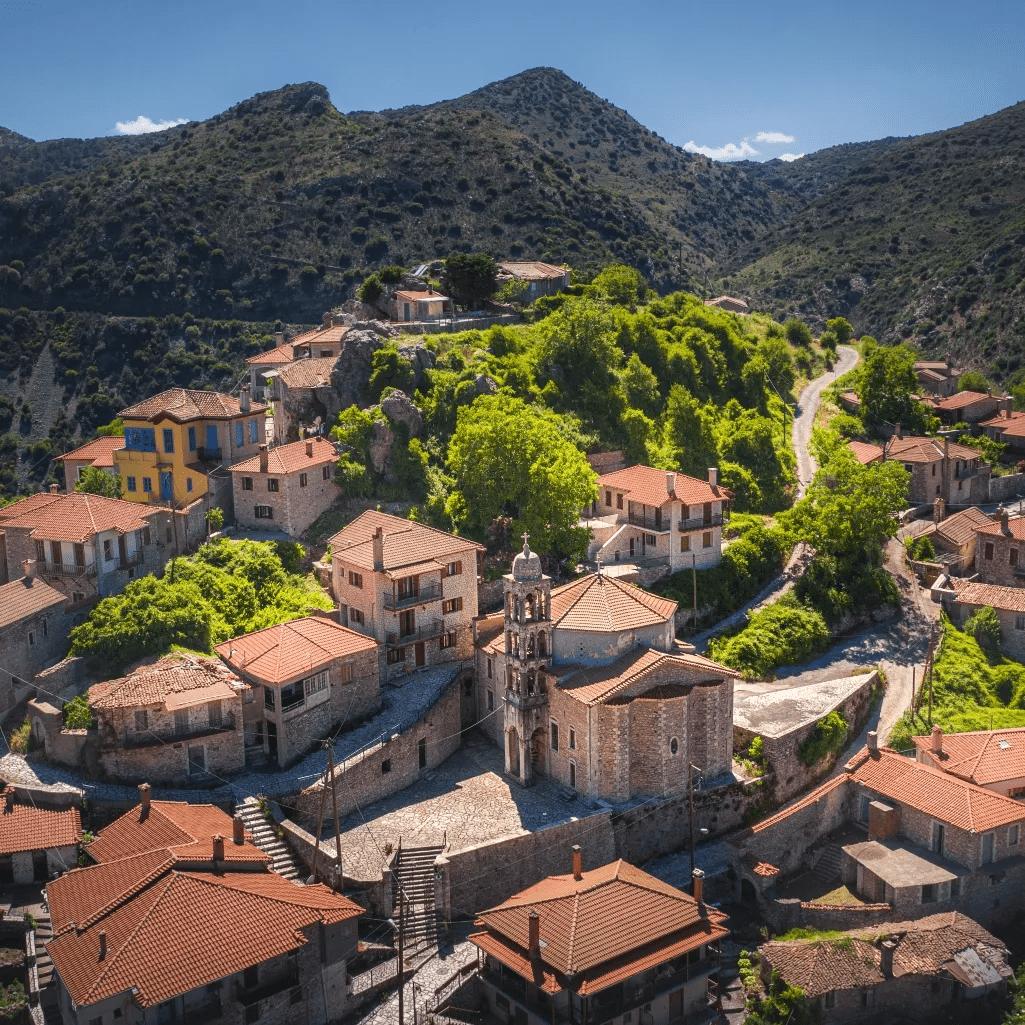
column 65, row 569
column 669, row 976
column 209, row 1010
column 427, row 592
column 514, row 989
column 699, row 522
column 130, row 561
column 150, row 738
column 248, row 995
column 645, row 522
column 422, row 633
column 204, row 454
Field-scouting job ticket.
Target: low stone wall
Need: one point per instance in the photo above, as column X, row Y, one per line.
column 786, row 914
column 1012, row 485
column 66, row 679
column 490, row 595
column 927, row 572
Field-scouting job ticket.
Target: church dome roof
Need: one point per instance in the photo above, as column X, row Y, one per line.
column 527, row 565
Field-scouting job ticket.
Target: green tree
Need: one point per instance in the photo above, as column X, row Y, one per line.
column 841, row 329
column 77, row 714
column 389, row 369
column 214, row 519
column 94, row 481
column 640, row 386
column 984, row 626
column 688, row 430
column 470, row 277
column 772, row 359
column 621, row 285
column 354, row 429
column 797, row 332
column 371, row 289
column 973, row 380
column 115, row 429
column 888, row 383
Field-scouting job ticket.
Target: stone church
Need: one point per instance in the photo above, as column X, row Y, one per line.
column 586, row 684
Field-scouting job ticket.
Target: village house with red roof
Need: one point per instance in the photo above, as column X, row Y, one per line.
column 321, row 343
column 537, row 278
column 1000, row 550
column 970, row 407
column 596, row 945
column 993, row 759
column 39, row 833
column 963, row 598
column 938, row 377
column 98, row 453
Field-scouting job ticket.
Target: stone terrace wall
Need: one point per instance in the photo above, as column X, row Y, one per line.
column 1010, row 486
column 784, row 915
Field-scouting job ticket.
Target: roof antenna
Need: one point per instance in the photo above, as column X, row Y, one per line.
column 598, row 560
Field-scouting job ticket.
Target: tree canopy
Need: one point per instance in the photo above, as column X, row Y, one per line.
column 470, row 277
column 887, row 387
column 94, row 481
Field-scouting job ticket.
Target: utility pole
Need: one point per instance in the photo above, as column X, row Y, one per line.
column 913, row 667
column 402, row 974
column 690, row 787
column 694, row 577
column 932, row 643
column 320, row 828
column 334, row 804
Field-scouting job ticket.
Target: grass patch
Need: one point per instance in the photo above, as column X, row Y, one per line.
column 841, row 895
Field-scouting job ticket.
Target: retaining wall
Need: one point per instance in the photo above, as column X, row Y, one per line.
column 1011, row 485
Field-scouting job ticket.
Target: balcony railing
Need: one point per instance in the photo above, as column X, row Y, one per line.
column 649, row 522
column 698, row 522
column 203, row 454
column 427, row 592
column 248, row 995
column 670, row 977
column 209, row 1010
column 421, row 633
column 65, row 569
column 517, row 993
column 130, row 560
column 148, row 738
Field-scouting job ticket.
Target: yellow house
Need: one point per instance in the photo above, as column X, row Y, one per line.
column 175, row 441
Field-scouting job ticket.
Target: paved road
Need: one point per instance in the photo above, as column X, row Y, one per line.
column 804, row 418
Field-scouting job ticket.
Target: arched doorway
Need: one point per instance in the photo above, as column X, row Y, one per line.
column 539, row 751
column 512, row 755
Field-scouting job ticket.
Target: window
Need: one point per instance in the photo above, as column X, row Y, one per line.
column 987, row 848
column 573, row 775
column 955, row 887
column 188, row 483
column 572, row 739
column 619, row 501
column 1012, row 556
column 706, row 539
column 491, row 669
column 396, row 655
column 491, row 701
column 31, row 637
column 303, row 480
column 264, row 512
column 386, row 766
column 192, row 439
column 451, row 605
column 326, row 472
column 46, row 629
column 240, row 438
column 830, row 999
column 863, row 807
column 272, row 484
column 685, row 543
column 247, row 483
column 146, row 538
column 108, row 550
column 356, row 616
column 131, row 483
column 254, row 435
column 650, row 540
column 268, row 698
column 608, row 499
column 1012, row 836
column 454, row 569
column 555, row 736
column 141, row 439
column 421, row 750
column 344, row 674
column 1019, row 622
column 448, row 640
column 929, row 893
column 355, row 579
column 213, row 714
column 934, row 469
column 989, row 549
column 141, row 721
column 315, row 684
column 147, row 485
column 674, row 746
column 168, row 440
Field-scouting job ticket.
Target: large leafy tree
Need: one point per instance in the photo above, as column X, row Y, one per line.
column 95, row 481
column 888, row 383
column 470, row 277
column 689, row 434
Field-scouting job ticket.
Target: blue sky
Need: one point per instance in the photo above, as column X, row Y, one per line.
column 802, row 76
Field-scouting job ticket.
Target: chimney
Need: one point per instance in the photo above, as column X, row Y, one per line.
column 946, row 447
column 218, row 847
column 379, row 548
column 534, row 936
column 886, row 949
column 328, row 320
column 937, row 740
column 671, row 484
column 939, row 510
column 279, row 337
column 713, row 476
column 309, row 449
column 896, row 432
column 243, row 398
column 698, row 889
column 103, row 944
column 238, row 830
column 54, row 489
column 144, row 796
column 950, row 362
column 28, row 567
column 263, row 459
column 578, row 862
column 1004, row 527
column 873, row 742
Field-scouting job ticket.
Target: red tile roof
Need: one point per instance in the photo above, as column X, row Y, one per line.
column 864, row 452
column 272, row 357
column 422, row 296
column 296, row 648
column 1015, row 526
column 334, row 333
column 1002, row 420
column 600, row 603
column 75, row 516
column 24, row 826
column 173, row 931
column 291, row 458
column 176, row 681
column 647, row 485
column 964, row 398
column 308, row 373
column 912, row 449
column 1014, row 429
column 406, row 543
column 1009, row 599
column 961, row 527
column 18, row 600
column 982, row 757
column 184, row 404
column 533, row 271
column 99, row 452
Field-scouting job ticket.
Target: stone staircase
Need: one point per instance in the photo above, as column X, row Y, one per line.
column 265, row 837
column 44, row 933
column 827, row 867
column 414, row 876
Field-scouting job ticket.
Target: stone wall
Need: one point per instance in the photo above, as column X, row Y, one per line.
column 490, row 595
column 28, row 645
column 66, row 679
column 1011, row 485
column 294, row 507
column 785, row 914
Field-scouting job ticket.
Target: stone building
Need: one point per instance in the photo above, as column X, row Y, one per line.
column 953, row 537
column 285, row 488
column 409, row 586
column 597, row 945
column 938, row 377
column 98, row 454
column 39, row 834
column 308, row 677
column 1007, row 602
column 642, row 514
column 878, row 974
column 178, row 720
column 589, row 687
column 999, row 550
column 301, row 394
column 181, row 921
column 326, row 341
column 537, row 278
column 730, row 304
column 992, row 759
column 33, row 634
column 1008, row 427
column 970, row 407
column 85, row 546
column 412, row 306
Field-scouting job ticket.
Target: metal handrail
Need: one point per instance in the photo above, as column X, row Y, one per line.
column 426, row 593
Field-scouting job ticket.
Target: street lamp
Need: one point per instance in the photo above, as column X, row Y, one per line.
column 691, row 769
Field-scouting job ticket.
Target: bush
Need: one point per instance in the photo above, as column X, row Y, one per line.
column 984, row 626
column 828, row 738
column 371, row 290
column 797, row 332
column 920, row 549
column 78, row 715
column 21, row 738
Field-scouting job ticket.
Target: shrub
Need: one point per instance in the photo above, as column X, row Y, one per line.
column 984, row 626
column 78, row 715
column 828, row 738
column 21, row 737
column 371, row 290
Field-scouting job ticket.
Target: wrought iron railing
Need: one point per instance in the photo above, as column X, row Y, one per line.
column 248, row 995
column 697, row 522
column 427, row 592
column 66, row 569
column 420, row 633
column 148, row 737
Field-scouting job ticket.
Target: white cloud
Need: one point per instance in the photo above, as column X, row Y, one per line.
column 790, row 156
column 773, row 137
column 142, row 124
column 731, row 151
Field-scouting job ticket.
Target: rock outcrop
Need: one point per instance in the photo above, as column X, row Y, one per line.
column 399, row 408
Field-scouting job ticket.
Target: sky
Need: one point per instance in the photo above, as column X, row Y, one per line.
column 728, row 79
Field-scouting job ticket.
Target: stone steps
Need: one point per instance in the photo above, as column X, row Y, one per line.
column 827, row 868
column 44, row 933
column 414, row 876
column 265, row 837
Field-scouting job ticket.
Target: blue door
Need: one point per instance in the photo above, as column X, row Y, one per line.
column 165, row 485
column 211, row 437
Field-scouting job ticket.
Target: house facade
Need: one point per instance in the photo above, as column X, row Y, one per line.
column 178, row 444
column 411, row 306
column 1000, row 550
column 537, row 278
column 970, row 407
column 39, row 833
column 285, row 488
column 993, row 759
column 642, row 514
column 301, row 392
column 410, row 587
column 953, row 537
column 1007, row 602
column 33, row 634
column 938, row 377
column 601, row 945
column 98, row 454
column 308, row 677
column 325, row 341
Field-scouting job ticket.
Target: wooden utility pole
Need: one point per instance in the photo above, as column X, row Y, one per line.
column 932, row 649
column 402, row 974
column 320, row 828
column 913, row 667
column 334, row 805
column 690, row 788
column 694, row 577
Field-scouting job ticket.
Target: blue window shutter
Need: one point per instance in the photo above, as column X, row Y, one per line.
column 131, row 483
column 192, row 439
column 211, row 437
column 168, row 439
column 252, row 432
column 239, row 436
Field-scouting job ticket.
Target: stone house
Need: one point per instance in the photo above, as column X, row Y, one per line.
column 589, row 687
column 1007, row 602
column 999, row 550
column 970, row 407
column 326, row 341
column 597, row 945
column 307, row 678
column 179, row 444
column 98, row 453
column 642, row 514
column 33, row 634
column 39, row 834
column 992, row 759
column 537, row 278
column 938, row 377
column 414, row 306
column 85, row 546
column 729, row 304
column 878, row 974
column 301, row 392
column 409, row 586
column 285, row 488
column 178, row 720
column 953, row 537
column 1007, row 427
column 252, row 946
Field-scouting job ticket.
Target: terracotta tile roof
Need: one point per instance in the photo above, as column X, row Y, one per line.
column 647, row 485
column 184, row 930
column 99, row 452
column 533, row 271
column 184, row 404
column 719, row 299
column 32, row 504
column 406, row 543
column 308, row 373
column 961, row 527
column 273, row 357
column 603, row 604
column 421, row 296
column 1015, row 525
column 603, row 923
column 925, row 450
column 1002, row 420
column 982, row 757
column 176, row 681
column 172, row 829
column 18, row 601
column 1009, row 599
column 807, row 801
column 296, row 648
column 964, row 398
column 1014, row 429
column 76, row 516
column 290, row 458
column 823, row 966
column 864, row 452
column 935, row 364
column 334, row 333
column 601, row 684
column 932, row 375
column 935, row 793
column 27, row 827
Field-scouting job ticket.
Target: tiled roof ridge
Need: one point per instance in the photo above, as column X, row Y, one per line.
column 401, row 527
column 137, row 887
column 222, row 883
column 571, row 944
